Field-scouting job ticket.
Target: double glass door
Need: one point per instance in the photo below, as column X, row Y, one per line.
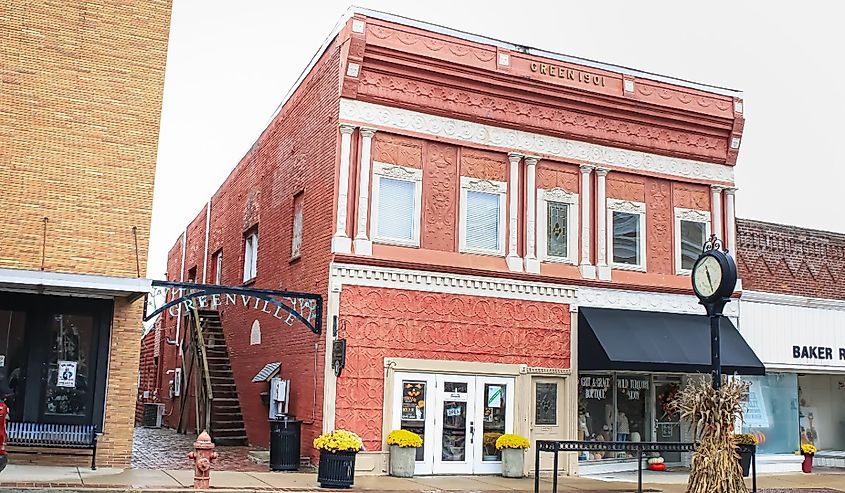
column 459, row 417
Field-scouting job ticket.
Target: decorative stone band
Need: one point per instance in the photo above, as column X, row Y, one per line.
column 646, row 301
column 436, row 282
column 387, row 117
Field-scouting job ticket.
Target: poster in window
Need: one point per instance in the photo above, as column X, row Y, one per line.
column 756, row 415
column 413, row 400
column 67, row 374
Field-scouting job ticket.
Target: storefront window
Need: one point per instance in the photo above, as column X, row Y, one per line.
column 632, row 394
column 68, row 391
column 772, row 412
column 595, row 411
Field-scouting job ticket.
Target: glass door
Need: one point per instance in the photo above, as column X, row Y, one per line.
column 454, row 427
column 668, row 422
column 493, row 418
column 415, row 412
column 14, row 360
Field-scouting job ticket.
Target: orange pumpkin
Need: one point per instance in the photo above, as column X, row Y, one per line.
column 657, row 467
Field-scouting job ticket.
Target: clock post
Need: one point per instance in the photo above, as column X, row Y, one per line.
column 713, row 281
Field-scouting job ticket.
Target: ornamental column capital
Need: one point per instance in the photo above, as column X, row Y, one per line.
column 514, row 157
column 602, row 171
column 368, row 132
column 730, row 190
column 587, row 168
column 346, row 128
column 531, row 160
column 716, row 188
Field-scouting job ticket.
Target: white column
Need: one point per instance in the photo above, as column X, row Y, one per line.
column 513, row 259
column 716, row 207
column 341, row 243
column 601, row 225
column 730, row 220
column 588, row 270
column 363, row 246
column 531, row 263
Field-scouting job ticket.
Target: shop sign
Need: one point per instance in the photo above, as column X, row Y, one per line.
column 632, row 387
column 413, row 400
column 595, row 387
column 285, row 306
column 561, row 72
column 818, row 352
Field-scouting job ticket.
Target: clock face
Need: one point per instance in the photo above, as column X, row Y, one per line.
column 707, row 276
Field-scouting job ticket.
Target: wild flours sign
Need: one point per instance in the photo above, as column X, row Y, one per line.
column 285, row 306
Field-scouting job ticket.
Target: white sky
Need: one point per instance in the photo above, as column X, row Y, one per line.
column 230, row 63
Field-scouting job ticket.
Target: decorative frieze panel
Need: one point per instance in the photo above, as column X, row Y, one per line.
column 347, row 274
column 531, row 143
column 646, row 301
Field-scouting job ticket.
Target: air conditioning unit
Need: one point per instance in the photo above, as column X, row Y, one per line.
column 153, row 413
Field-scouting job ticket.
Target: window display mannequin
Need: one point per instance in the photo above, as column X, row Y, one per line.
column 622, row 429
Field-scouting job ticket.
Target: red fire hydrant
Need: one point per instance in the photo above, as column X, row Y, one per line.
column 202, row 456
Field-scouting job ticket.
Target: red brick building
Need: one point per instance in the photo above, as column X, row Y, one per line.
column 457, row 201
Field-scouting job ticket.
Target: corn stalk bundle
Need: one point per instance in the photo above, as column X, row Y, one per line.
column 715, row 464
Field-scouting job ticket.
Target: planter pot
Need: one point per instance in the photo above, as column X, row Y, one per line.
column 336, row 469
column 402, row 461
column 512, row 462
column 745, row 462
column 807, row 465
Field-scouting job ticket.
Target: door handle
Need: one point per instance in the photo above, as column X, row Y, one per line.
column 471, row 432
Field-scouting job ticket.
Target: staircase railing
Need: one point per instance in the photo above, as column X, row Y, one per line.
column 205, row 394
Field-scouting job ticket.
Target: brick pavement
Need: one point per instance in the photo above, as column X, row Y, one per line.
column 163, row 448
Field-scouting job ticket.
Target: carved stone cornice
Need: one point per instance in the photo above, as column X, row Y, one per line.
column 403, row 120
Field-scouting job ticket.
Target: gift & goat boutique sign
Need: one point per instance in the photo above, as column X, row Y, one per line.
column 287, row 306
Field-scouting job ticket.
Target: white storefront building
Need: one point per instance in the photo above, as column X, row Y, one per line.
column 801, row 342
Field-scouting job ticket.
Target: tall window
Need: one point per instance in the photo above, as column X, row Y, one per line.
column 397, row 193
column 250, row 256
column 557, row 225
column 626, row 234
column 218, row 267
column 692, row 227
column 296, row 236
column 483, row 216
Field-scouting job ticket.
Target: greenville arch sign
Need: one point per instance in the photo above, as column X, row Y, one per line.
column 286, row 306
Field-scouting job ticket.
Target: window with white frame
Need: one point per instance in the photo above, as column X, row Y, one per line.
column 482, row 216
column 396, row 204
column 296, row 234
column 692, row 228
column 626, row 247
column 218, row 266
column 250, row 255
column 557, row 225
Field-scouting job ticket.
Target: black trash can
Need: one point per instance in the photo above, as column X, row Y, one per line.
column 284, row 444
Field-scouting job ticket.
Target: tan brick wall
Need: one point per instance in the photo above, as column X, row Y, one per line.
column 115, row 445
column 80, row 100
column 81, row 87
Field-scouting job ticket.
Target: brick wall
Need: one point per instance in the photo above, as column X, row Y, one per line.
column 296, row 153
column 82, row 90
column 779, row 258
column 148, row 372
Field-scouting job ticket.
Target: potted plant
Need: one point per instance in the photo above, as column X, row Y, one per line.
column 746, row 443
column 337, row 458
column 489, row 442
column 808, row 451
column 513, row 454
column 403, row 452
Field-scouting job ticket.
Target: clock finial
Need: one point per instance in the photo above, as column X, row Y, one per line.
column 712, row 244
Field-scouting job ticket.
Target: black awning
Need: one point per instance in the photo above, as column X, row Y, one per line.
column 658, row 342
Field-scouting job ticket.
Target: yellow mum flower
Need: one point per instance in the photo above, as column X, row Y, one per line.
column 339, row 441
column 511, row 441
column 404, row 438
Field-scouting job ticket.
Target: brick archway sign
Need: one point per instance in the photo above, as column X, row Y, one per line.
column 286, row 306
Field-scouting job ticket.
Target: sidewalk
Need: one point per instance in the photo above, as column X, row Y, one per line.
column 73, row 478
